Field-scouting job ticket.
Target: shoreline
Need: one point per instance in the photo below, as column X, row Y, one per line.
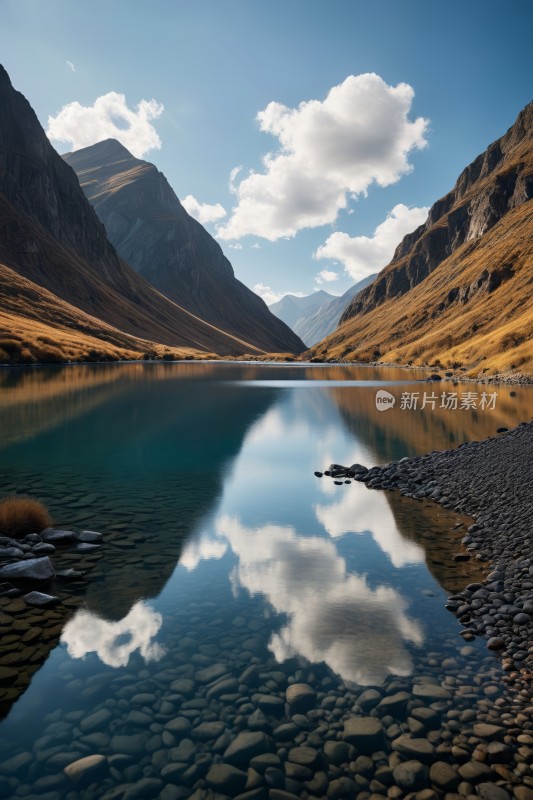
column 455, row 376
column 489, row 481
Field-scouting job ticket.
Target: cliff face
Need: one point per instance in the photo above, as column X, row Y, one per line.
column 458, row 290
column 497, row 181
column 156, row 236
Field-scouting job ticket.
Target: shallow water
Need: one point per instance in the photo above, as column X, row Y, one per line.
column 223, row 550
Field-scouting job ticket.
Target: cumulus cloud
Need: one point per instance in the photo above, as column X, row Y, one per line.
column 363, row 255
column 108, row 118
column 201, row 549
column 329, row 151
column 332, row 615
column 203, row 212
column 327, row 276
column 114, row 642
column 269, row 295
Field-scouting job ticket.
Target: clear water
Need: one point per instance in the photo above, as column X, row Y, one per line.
column 222, row 548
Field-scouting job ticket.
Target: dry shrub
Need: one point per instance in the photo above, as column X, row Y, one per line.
column 20, row 515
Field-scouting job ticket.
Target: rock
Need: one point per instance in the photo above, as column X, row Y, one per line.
column 485, row 730
column 131, row 745
column 430, row 691
column 183, row 686
column 90, row 537
column 305, row 757
column 211, row 673
column 411, row 775
column 16, row 764
column 413, row 748
column 96, row 720
column 301, row 697
column 366, row 733
column 53, row 536
column 336, row 752
column 226, row 778
column 443, row 776
column 144, row 789
column 495, row 643
column 474, row 771
column 394, row 704
column 208, row 731
column 40, row 599
column 491, row 791
column 270, row 704
column 245, row 746
column 180, row 726
column 86, row 770
column 86, row 547
column 368, row 699
column 31, row 569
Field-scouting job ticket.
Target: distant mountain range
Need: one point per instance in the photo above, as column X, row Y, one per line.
column 458, row 291
column 324, row 320
column 65, row 290
column 291, row 307
column 154, row 234
column 315, row 316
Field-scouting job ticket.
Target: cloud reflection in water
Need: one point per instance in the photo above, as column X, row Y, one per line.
column 333, row 616
column 114, row 642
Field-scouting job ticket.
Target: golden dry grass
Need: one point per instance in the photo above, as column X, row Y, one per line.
column 38, row 327
column 22, row 515
column 491, row 332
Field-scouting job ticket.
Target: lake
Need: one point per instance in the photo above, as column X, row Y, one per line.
column 229, row 573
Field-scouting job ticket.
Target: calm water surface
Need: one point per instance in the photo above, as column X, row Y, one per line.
column 222, row 551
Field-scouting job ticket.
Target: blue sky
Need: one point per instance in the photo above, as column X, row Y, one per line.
column 369, row 111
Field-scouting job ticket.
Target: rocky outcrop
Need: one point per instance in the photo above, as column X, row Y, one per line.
column 457, row 293
column 497, row 181
column 155, row 235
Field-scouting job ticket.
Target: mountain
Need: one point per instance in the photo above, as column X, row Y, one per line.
column 457, row 292
column 323, row 321
column 154, row 234
column 55, row 252
column 292, row 308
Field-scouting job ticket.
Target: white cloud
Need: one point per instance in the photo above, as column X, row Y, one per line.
column 237, row 246
column 256, row 246
column 232, row 177
column 363, row 255
column 329, row 151
column 71, row 66
column 269, row 295
column 203, row 212
column 108, row 118
column 114, row 642
column 201, row 549
column 327, row 276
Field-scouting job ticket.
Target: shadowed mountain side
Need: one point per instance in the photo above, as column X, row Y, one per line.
column 156, row 236
column 320, row 323
column 143, row 538
column 457, row 289
column 50, row 234
column 36, row 325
